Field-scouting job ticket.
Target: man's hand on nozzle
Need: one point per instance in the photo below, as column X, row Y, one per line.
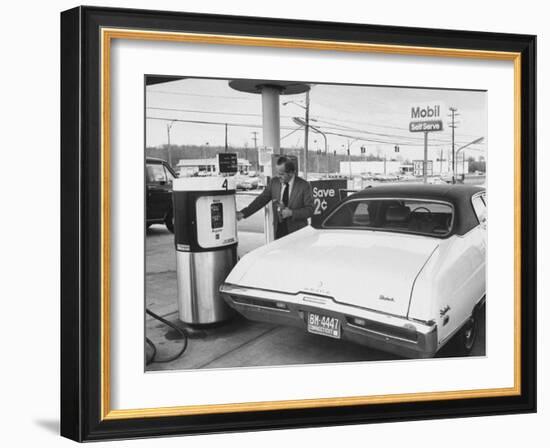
column 240, row 216
column 286, row 213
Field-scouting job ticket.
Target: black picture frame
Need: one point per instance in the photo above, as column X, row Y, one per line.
column 81, row 209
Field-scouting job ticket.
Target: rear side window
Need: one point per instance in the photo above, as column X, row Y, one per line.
column 480, row 208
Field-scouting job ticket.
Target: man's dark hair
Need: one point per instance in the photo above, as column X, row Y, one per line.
column 290, row 167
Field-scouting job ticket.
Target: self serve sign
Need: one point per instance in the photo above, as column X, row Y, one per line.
column 326, row 194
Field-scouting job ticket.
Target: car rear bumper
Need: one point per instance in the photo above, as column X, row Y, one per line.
column 374, row 329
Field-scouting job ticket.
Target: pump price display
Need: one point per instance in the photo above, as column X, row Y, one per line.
column 216, row 215
column 228, row 163
column 323, row 325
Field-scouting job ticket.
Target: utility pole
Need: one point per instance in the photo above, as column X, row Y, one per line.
column 306, row 138
column 301, row 122
column 351, row 142
column 453, row 126
column 473, row 142
column 327, row 157
column 425, row 164
column 225, row 137
column 168, row 127
column 204, row 148
column 317, row 152
column 440, row 161
column 349, row 160
column 255, row 138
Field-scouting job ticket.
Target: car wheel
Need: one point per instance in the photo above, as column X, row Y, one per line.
column 169, row 221
column 466, row 337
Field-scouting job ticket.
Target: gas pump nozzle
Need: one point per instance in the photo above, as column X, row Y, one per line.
column 279, row 206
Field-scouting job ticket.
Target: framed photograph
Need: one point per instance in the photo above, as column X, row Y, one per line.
column 277, row 224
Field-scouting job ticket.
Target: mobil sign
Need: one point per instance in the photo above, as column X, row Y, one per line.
column 426, row 117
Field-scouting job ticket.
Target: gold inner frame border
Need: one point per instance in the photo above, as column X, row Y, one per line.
column 107, row 35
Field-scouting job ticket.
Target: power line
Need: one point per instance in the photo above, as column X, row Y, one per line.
column 203, row 111
column 211, row 112
column 363, row 123
column 335, row 126
column 259, row 115
column 202, row 95
column 349, row 128
column 291, row 132
column 282, row 116
column 394, row 140
column 221, row 123
column 249, row 125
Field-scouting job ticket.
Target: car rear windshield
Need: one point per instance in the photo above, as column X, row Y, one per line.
column 394, row 215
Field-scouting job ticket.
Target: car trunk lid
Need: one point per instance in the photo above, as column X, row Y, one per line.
column 368, row 269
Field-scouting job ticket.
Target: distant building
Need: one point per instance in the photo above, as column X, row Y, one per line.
column 206, row 167
column 371, row 166
column 435, row 167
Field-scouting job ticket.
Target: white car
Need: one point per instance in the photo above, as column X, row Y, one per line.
column 399, row 268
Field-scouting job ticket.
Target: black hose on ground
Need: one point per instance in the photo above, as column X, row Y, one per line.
column 181, row 331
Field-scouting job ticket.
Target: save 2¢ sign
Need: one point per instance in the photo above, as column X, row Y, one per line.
column 326, row 194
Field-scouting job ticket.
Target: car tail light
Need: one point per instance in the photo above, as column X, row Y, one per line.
column 252, row 301
column 408, row 331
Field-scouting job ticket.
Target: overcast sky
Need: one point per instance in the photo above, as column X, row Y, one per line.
column 378, row 115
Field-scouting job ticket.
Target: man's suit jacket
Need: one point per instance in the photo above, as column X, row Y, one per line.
column 300, row 202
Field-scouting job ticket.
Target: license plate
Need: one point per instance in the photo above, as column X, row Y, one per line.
column 323, row 325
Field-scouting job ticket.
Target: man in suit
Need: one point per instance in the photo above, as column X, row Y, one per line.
column 293, row 197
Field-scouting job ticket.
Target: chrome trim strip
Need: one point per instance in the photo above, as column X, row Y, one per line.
column 318, row 301
column 416, row 278
column 389, row 336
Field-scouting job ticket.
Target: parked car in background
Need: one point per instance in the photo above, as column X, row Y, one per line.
column 399, row 268
column 255, row 182
column 407, row 177
column 159, row 177
column 248, row 182
column 448, row 178
column 385, row 177
column 245, row 182
column 437, row 180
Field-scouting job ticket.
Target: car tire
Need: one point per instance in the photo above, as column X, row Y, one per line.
column 466, row 337
column 169, row 221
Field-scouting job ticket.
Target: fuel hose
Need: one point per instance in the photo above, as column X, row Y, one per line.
column 181, row 331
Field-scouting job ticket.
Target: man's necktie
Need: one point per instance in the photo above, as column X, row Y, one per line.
column 285, row 195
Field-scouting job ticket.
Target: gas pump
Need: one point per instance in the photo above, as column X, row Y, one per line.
column 206, row 245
